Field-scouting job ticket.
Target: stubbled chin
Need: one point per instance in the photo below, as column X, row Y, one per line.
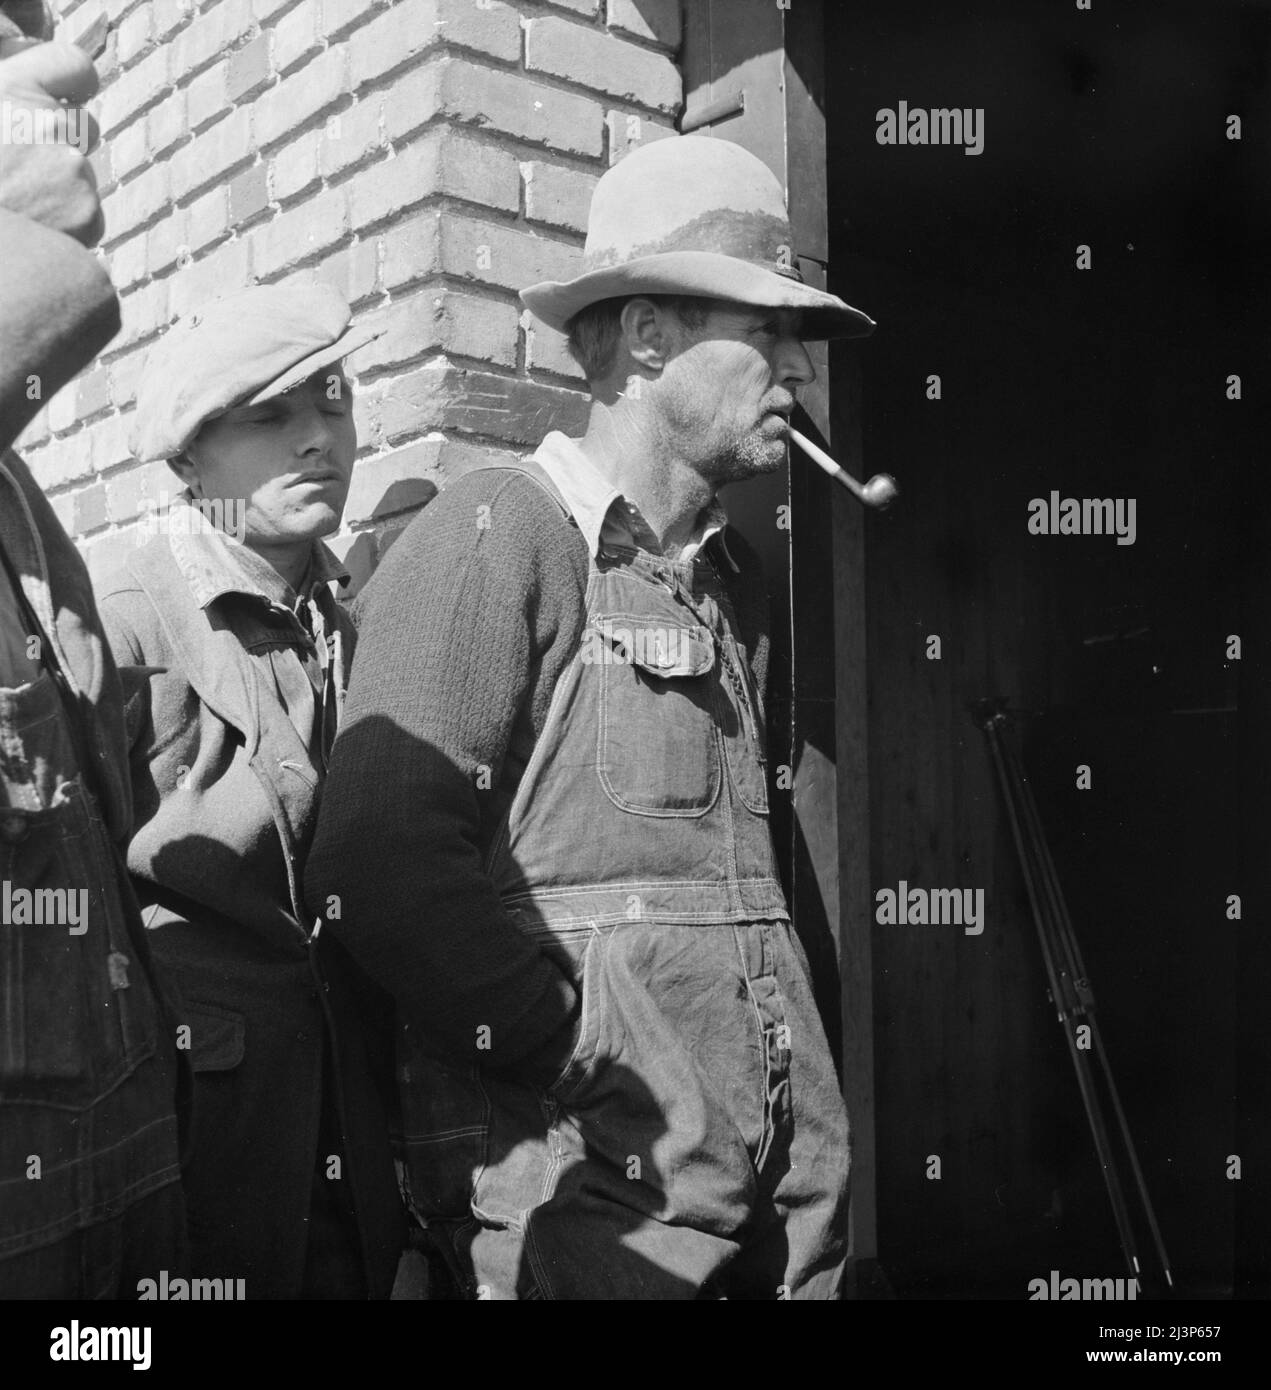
column 751, row 463
column 308, row 523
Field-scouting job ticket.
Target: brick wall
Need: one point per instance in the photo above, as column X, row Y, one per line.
column 428, row 157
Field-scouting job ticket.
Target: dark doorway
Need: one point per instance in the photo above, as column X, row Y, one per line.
column 1107, row 130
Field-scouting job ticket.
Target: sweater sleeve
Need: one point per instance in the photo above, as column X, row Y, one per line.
column 453, row 630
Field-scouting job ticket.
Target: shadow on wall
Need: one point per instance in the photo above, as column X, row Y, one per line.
column 400, row 503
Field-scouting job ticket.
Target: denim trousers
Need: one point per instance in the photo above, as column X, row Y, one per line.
column 695, row 1144
column 109, row 1259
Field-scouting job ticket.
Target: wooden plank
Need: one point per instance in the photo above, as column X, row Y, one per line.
column 852, row 811
column 814, row 542
column 816, row 567
column 730, row 45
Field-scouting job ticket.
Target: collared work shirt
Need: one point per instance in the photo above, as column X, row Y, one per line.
column 609, row 520
column 299, row 651
column 604, row 516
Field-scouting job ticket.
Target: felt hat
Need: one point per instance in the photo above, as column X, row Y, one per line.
column 693, row 215
column 241, row 350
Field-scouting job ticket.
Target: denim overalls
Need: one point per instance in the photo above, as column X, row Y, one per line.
column 88, row 1061
column 695, row 1143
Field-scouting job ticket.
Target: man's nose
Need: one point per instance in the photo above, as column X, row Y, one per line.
column 313, row 432
column 795, row 364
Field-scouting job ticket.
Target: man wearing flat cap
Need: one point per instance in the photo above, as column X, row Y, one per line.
column 553, row 768
column 229, row 610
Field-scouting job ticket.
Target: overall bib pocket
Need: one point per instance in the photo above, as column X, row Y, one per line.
column 68, row 1030
column 74, row 1005
column 658, row 752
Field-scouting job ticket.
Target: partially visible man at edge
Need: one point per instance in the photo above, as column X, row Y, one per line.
column 90, row 1199
column 547, row 816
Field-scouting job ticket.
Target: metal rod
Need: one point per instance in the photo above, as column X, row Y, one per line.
column 1140, row 1181
column 1033, row 854
column 1085, row 992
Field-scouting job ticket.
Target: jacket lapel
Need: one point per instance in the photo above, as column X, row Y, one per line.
column 232, row 686
column 210, row 657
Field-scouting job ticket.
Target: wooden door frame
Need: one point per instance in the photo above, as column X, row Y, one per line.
column 774, row 57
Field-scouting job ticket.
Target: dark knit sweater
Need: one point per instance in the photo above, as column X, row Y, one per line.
column 462, row 635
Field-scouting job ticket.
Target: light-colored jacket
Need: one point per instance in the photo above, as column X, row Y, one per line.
column 227, row 794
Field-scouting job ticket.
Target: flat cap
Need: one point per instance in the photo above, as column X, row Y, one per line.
column 240, row 350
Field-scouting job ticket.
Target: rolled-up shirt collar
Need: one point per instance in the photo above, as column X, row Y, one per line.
column 604, row 515
column 216, row 563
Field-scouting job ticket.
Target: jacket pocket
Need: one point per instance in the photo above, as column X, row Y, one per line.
column 217, row 1037
column 658, row 752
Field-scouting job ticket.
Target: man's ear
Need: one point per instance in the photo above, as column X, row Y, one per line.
column 184, row 468
column 645, row 333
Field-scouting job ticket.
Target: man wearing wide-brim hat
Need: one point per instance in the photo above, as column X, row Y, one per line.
column 615, row 1080
column 290, row 1184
